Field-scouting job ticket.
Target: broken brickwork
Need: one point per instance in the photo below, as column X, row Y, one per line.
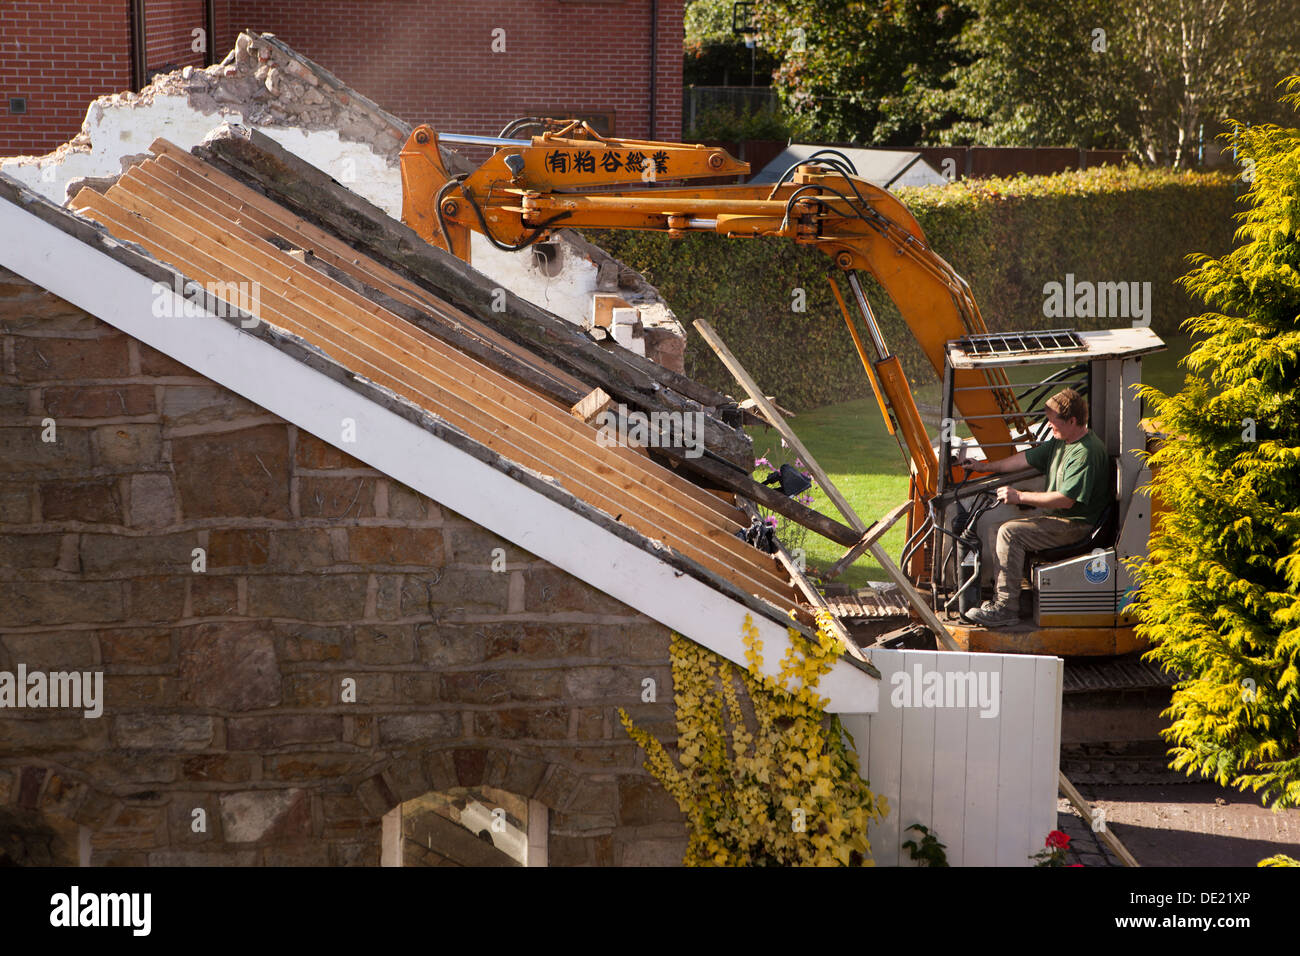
column 265, row 84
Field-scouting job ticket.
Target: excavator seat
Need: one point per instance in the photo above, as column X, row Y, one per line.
column 1102, row 535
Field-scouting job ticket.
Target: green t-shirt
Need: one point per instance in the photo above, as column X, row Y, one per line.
column 1078, row 470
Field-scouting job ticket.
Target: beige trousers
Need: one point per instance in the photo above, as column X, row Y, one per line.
column 1031, row 533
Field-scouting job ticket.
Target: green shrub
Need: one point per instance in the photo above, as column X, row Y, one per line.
column 1007, row 237
column 721, row 123
column 1220, row 595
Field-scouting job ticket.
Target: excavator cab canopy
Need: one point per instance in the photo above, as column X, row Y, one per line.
column 1080, row 593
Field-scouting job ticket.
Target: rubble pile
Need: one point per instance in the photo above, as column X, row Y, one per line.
column 264, row 84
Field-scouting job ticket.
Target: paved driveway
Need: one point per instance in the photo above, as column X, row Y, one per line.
column 1192, row 824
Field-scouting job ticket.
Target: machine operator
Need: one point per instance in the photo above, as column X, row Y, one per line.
column 1078, row 490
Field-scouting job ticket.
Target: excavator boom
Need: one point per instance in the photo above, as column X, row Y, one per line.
column 564, row 178
column 569, row 176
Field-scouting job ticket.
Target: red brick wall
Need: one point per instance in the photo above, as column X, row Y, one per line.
column 224, row 41
column 433, row 61
column 425, row 60
column 59, row 56
column 169, row 26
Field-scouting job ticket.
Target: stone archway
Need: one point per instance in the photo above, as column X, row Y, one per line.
column 47, row 816
column 466, row 826
column 449, row 774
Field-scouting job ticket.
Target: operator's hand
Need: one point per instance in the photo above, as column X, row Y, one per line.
column 973, row 466
column 1008, row 495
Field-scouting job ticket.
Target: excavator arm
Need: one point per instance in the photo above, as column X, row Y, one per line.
column 565, row 178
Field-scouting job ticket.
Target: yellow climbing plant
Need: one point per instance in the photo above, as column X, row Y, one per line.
column 782, row 791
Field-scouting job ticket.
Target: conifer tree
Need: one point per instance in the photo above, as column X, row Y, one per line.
column 1220, row 593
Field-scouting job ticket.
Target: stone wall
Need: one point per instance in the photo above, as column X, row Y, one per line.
column 232, row 577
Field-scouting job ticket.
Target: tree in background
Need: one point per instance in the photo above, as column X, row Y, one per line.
column 1153, row 76
column 1195, row 63
column 1220, row 594
column 1040, row 73
column 860, row 71
column 714, row 55
column 1145, row 75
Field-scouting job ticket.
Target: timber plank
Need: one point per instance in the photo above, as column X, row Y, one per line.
column 737, row 481
column 253, row 156
column 467, row 416
column 723, row 475
column 634, row 472
column 502, row 446
column 869, row 537
column 468, row 387
column 277, row 220
column 219, row 207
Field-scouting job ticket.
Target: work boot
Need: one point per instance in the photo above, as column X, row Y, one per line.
column 994, row 614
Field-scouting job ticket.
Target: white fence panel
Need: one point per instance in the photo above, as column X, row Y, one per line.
column 884, row 734
column 967, row 745
column 917, row 776
column 1047, row 744
column 950, row 759
column 1015, row 757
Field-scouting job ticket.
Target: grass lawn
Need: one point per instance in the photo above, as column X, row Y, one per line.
column 865, row 462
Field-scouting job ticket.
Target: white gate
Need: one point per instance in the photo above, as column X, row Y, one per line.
column 967, row 745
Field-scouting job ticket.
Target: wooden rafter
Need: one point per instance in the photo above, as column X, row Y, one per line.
column 182, row 221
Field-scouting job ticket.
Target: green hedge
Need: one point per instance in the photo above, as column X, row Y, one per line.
column 1007, row 237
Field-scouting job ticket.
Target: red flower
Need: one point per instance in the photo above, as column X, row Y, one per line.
column 1057, row 840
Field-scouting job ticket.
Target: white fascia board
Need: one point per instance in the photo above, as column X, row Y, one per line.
column 266, row 376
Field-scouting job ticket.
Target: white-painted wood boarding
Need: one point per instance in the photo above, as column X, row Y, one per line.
column 984, row 785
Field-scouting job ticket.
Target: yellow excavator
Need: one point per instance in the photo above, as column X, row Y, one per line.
column 568, row 176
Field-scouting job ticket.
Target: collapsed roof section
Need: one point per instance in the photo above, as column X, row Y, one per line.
column 262, row 83
column 265, row 84
column 464, row 403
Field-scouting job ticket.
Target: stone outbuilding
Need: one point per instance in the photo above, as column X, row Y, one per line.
column 357, row 583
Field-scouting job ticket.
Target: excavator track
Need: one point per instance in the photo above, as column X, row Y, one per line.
column 1111, row 723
